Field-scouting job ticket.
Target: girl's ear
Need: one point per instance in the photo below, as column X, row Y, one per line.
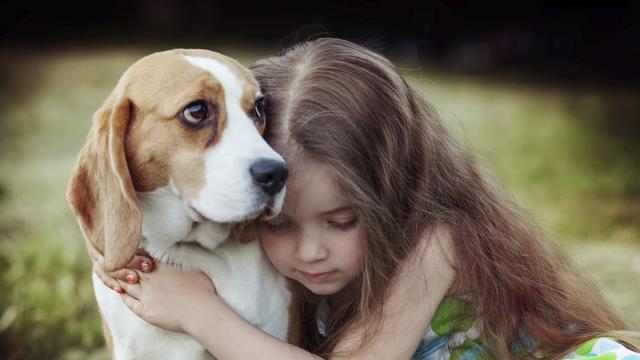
column 100, row 189
column 246, row 232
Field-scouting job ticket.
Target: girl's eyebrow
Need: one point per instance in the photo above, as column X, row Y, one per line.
column 336, row 210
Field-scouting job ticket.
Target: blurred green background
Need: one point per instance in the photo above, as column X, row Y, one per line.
column 568, row 150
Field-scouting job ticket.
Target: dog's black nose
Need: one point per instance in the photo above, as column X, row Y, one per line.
column 270, row 175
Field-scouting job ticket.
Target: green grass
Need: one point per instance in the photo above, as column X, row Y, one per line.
column 566, row 152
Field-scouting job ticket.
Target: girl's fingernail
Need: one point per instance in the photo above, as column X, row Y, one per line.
column 146, row 266
column 131, row 278
column 116, row 288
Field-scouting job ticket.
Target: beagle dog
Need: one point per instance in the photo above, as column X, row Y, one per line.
column 174, row 159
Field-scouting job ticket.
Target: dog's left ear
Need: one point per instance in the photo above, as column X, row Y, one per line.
column 246, row 232
column 100, row 189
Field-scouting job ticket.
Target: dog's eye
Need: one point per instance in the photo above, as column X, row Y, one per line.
column 258, row 110
column 195, row 113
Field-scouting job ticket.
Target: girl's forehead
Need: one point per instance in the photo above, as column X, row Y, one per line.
column 311, row 190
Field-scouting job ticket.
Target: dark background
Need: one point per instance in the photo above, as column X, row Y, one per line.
column 599, row 43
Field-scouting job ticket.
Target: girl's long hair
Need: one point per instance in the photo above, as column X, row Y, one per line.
column 335, row 102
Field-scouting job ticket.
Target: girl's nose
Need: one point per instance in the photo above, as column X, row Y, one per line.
column 311, row 248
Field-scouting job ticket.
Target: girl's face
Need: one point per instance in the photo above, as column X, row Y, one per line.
column 317, row 239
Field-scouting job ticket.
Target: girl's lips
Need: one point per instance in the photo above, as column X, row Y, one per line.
column 318, row 277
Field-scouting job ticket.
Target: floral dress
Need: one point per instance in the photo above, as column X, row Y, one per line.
column 447, row 339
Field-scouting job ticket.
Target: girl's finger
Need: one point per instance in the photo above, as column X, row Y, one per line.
column 106, row 279
column 126, row 275
column 133, row 304
column 131, row 289
column 141, row 262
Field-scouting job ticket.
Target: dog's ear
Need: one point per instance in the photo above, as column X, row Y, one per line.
column 100, row 190
column 246, row 232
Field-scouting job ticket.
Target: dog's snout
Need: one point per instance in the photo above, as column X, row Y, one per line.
column 270, row 175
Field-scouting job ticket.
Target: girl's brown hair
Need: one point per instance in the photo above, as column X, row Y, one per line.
column 337, row 103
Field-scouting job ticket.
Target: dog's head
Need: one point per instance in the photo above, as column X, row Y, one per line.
column 188, row 119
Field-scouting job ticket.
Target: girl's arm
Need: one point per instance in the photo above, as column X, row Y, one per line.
column 187, row 302
column 419, row 287
column 232, row 337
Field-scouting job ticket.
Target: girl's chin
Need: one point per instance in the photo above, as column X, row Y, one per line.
column 322, row 289
column 323, row 292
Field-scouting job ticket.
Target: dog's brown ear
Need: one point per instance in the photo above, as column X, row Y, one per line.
column 246, row 232
column 100, row 190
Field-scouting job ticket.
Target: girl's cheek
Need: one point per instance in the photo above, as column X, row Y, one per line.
column 358, row 250
column 276, row 251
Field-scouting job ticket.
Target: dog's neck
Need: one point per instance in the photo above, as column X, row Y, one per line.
column 167, row 224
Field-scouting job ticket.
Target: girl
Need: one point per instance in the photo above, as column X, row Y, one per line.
column 399, row 246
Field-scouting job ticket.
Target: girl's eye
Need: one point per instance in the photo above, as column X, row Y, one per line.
column 343, row 225
column 258, row 110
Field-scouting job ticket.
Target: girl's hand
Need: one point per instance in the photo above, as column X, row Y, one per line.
column 141, row 262
column 169, row 297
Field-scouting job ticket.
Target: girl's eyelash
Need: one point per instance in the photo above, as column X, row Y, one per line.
column 286, row 225
column 343, row 226
column 277, row 227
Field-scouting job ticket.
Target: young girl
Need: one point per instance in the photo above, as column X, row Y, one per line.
column 399, row 246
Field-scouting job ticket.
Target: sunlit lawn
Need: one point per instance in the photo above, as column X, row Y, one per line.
column 567, row 152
